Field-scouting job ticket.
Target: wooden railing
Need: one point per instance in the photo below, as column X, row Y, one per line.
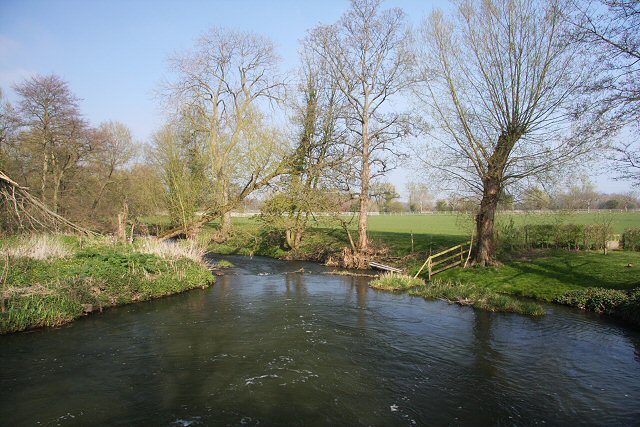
column 455, row 256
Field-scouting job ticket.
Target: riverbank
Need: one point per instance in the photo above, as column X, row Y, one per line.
column 549, row 276
column 52, row 280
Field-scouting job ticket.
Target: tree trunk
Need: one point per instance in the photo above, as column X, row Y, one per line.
column 43, row 181
column 484, row 252
column 363, row 242
column 225, row 230
column 121, row 234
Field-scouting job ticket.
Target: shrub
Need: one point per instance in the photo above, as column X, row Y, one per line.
column 560, row 236
column 621, row 304
column 599, row 300
column 630, row 309
column 569, row 236
column 631, row 239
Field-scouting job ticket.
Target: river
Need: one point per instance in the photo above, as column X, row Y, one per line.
column 270, row 346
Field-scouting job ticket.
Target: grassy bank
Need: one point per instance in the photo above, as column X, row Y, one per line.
column 458, row 293
column 406, row 241
column 547, row 275
column 52, row 280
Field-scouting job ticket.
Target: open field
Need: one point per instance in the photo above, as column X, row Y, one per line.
column 432, row 232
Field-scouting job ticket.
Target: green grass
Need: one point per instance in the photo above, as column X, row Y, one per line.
column 56, row 291
column 548, row 275
column 455, row 224
column 223, row 263
column 477, row 296
column 396, row 282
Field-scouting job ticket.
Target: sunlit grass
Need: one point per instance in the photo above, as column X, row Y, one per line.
column 93, row 275
column 395, row 282
column 478, row 297
column 175, row 249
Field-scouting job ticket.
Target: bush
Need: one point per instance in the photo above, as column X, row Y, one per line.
column 599, row 300
column 630, row 309
column 631, row 239
column 559, row 236
column 621, row 304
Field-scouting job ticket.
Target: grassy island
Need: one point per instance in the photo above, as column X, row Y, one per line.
column 49, row 280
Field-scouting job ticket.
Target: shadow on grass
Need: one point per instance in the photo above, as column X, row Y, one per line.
column 399, row 244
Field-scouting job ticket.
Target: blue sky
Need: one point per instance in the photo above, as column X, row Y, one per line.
column 114, row 53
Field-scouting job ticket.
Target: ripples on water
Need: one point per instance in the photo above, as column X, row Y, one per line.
column 273, row 348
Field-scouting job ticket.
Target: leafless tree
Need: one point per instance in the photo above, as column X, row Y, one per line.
column 113, row 149
column 609, row 33
column 502, row 83
column 52, row 131
column 369, row 57
column 221, row 88
column 420, row 196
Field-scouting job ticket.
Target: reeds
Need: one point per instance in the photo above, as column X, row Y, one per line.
column 173, row 250
column 37, row 246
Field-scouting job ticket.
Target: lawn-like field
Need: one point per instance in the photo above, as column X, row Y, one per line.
column 460, row 224
column 433, row 232
column 549, row 275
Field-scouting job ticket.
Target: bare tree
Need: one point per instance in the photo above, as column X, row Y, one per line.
column 7, row 126
column 50, row 119
column 502, row 84
column 420, row 196
column 367, row 53
column 220, row 88
column 112, row 152
column 609, row 33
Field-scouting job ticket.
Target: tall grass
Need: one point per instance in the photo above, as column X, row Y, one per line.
column 189, row 249
column 39, row 247
column 95, row 274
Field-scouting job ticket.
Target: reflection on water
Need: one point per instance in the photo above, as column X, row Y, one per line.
column 270, row 346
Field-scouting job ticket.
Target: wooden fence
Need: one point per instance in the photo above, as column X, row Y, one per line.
column 445, row 260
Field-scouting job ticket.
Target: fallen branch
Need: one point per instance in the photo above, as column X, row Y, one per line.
column 29, row 210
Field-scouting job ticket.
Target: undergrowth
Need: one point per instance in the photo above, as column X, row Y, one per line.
column 617, row 303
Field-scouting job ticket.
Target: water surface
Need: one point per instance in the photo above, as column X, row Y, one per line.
column 270, row 346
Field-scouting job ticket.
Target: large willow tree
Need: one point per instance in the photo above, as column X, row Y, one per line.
column 502, row 82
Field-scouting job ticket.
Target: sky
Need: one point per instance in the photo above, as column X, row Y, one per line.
column 113, row 53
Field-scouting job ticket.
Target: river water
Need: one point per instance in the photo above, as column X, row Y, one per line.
column 270, row 346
